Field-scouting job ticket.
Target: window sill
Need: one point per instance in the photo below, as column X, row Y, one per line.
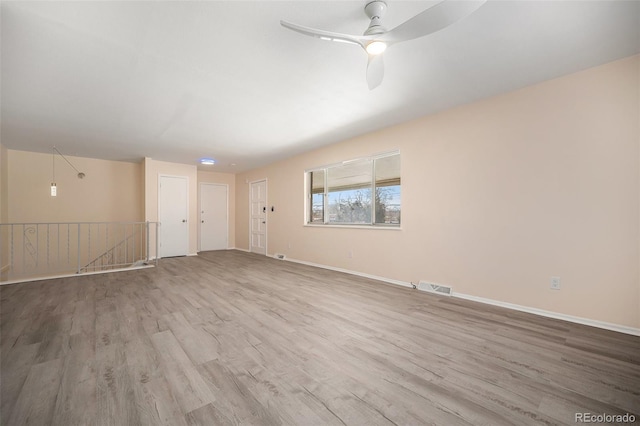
column 383, row 227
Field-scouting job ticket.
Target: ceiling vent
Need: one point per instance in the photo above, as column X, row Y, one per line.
column 443, row 290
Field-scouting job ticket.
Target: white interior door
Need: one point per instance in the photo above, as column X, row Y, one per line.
column 214, row 222
column 173, row 213
column 258, row 206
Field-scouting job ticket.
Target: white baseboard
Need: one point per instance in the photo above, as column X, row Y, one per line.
column 240, row 249
column 192, row 254
column 347, row 271
column 549, row 314
column 578, row 320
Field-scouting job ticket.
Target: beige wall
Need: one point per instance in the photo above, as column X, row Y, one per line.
column 4, row 213
column 497, row 197
column 4, row 182
column 152, row 170
column 109, row 192
column 229, row 180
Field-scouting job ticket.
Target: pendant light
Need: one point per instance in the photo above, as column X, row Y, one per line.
column 54, row 187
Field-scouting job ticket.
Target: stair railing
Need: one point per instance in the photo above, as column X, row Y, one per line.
column 35, row 250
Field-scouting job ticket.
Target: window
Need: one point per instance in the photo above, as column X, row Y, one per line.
column 364, row 191
column 317, row 197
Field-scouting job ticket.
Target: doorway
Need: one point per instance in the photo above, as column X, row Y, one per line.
column 214, row 216
column 173, row 206
column 258, row 214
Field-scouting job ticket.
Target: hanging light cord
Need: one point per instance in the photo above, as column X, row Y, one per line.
column 65, row 159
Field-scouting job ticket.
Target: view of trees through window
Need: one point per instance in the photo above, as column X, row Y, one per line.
column 360, row 192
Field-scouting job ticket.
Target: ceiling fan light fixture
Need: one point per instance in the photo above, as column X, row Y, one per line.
column 338, row 39
column 376, row 47
column 376, row 37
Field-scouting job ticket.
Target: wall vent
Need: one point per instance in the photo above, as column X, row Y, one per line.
column 444, row 290
column 280, row 256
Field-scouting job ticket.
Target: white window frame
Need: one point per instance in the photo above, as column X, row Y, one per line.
column 308, row 194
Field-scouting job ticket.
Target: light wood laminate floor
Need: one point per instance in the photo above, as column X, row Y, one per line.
column 235, row 338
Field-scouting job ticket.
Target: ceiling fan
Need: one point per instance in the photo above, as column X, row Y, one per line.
column 377, row 38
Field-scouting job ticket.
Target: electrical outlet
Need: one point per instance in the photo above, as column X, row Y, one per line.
column 350, row 254
column 555, row 283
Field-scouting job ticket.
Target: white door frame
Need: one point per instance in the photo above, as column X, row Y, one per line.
column 266, row 228
column 160, row 176
column 200, row 212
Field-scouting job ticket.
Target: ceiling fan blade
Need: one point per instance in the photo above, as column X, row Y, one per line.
column 431, row 20
column 326, row 35
column 375, row 71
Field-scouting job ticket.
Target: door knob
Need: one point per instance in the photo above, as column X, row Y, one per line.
column 203, row 221
column 184, row 220
column 264, row 221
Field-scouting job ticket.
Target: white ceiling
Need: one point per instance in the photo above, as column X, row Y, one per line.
column 177, row 81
